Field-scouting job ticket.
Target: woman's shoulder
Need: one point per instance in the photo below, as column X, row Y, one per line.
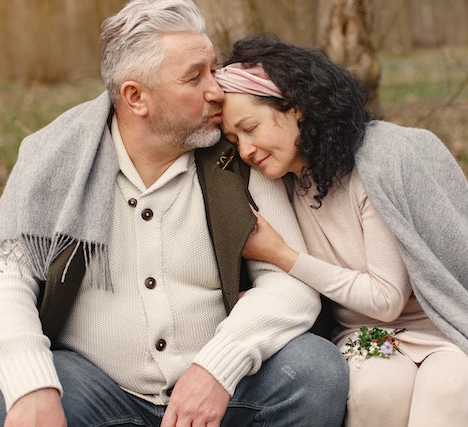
column 389, row 147
column 388, row 137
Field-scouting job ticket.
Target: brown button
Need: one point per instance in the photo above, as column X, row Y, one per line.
column 160, row 345
column 147, row 214
column 132, row 202
column 150, row 282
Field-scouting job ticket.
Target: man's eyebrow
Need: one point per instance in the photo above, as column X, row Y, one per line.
column 193, row 67
column 198, row 66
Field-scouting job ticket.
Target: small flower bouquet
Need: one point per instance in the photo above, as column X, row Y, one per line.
column 372, row 342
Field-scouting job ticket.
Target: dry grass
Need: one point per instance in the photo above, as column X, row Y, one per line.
column 26, row 108
column 427, row 88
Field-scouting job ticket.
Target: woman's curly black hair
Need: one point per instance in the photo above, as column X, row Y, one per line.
column 331, row 100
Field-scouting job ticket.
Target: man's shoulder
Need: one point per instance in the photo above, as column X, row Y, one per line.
column 91, row 112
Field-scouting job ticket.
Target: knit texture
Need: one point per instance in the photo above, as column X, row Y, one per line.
column 277, row 309
column 422, row 194
column 63, row 172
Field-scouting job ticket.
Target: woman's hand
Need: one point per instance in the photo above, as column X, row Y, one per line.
column 266, row 244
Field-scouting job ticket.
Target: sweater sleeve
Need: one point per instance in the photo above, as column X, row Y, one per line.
column 382, row 290
column 26, row 360
column 277, row 309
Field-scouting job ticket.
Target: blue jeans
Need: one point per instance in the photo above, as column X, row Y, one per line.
column 304, row 384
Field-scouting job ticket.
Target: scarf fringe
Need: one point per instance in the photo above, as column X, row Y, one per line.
column 42, row 251
column 97, row 265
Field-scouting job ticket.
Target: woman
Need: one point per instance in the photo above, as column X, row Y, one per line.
column 384, row 213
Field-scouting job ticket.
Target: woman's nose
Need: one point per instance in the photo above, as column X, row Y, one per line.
column 246, row 150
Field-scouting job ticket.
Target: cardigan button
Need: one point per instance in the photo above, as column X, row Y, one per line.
column 150, row 282
column 132, row 202
column 160, row 345
column 147, row 214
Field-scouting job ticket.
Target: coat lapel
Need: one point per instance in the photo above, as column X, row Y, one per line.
column 224, row 182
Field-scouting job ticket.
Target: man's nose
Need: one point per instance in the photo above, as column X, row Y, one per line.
column 214, row 93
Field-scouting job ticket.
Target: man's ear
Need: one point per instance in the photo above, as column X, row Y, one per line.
column 132, row 95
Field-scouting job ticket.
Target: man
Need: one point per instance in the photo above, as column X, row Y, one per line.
column 121, row 239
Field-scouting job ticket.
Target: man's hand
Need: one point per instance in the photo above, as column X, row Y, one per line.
column 41, row 408
column 198, row 400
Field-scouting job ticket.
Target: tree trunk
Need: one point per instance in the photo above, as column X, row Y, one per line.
column 347, row 39
column 228, row 21
column 293, row 21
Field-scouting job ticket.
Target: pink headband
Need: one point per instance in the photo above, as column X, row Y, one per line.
column 234, row 78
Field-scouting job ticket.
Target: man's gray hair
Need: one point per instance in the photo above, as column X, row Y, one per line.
column 131, row 47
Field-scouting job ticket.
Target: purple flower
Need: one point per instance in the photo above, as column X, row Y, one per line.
column 386, row 348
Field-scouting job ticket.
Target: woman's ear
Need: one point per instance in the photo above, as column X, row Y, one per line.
column 132, row 94
column 299, row 115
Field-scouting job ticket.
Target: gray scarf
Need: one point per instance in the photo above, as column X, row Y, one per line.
column 61, row 190
column 422, row 195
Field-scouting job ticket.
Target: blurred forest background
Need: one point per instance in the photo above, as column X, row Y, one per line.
column 411, row 54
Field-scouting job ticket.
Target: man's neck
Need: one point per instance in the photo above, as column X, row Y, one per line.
column 151, row 169
column 151, row 157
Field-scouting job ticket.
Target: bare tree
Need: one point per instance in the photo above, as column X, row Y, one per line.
column 293, row 21
column 347, row 39
column 58, row 39
column 341, row 27
column 229, row 20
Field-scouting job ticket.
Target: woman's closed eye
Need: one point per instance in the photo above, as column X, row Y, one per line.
column 250, row 129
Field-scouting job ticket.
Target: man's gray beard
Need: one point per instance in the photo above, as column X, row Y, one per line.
column 201, row 138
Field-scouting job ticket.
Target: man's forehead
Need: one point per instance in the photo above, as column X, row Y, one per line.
column 185, row 54
column 188, row 46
